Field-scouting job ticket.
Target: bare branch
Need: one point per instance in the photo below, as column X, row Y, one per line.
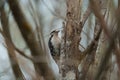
column 54, row 13
column 86, row 15
column 96, row 9
column 29, row 36
column 10, row 48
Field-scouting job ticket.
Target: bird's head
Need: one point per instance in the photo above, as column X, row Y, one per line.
column 55, row 32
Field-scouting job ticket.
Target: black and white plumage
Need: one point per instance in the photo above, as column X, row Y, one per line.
column 54, row 43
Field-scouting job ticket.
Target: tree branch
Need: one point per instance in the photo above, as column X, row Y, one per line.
column 29, row 36
column 10, row 48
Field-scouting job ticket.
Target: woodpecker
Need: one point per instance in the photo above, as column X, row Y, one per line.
column 54, row 43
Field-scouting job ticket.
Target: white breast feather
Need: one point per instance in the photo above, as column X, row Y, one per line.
column 56, row 41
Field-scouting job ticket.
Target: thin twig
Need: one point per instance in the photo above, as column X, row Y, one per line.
column 54, row 13
column 86, row 15
column 96, row 9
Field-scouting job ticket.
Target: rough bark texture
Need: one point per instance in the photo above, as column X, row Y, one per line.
column 72, row 31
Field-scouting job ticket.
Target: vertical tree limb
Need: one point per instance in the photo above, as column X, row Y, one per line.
column 72, row 31
column 29, row 36
column 12, row 55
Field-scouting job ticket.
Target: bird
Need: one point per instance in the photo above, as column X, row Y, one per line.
column 54, row 44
